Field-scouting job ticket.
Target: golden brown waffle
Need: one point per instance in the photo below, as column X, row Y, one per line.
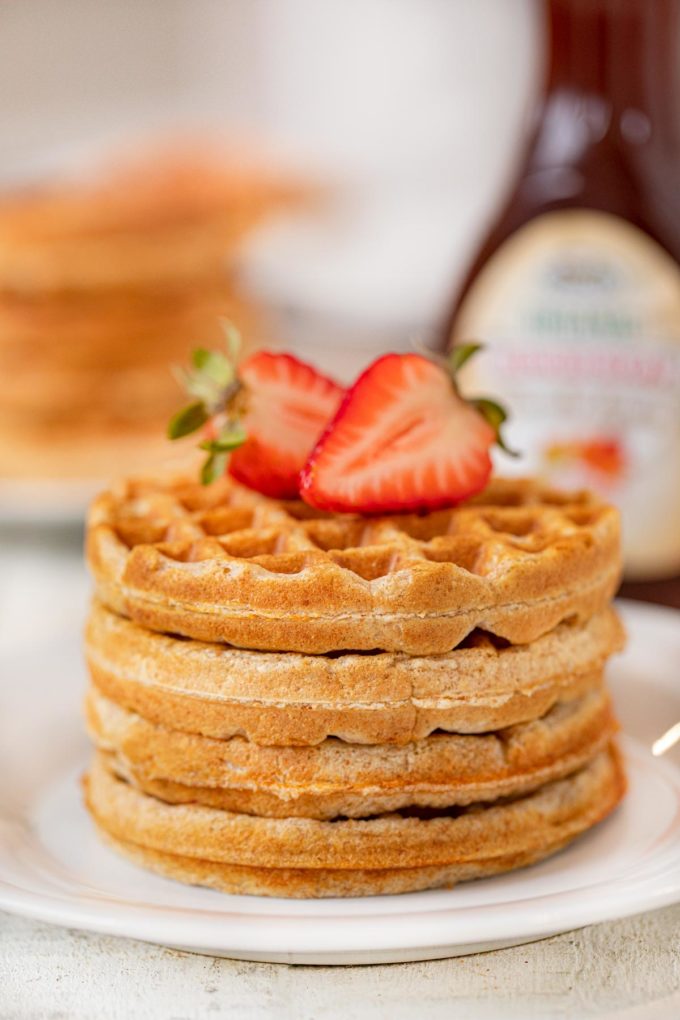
column 389, row 697
column 308, row 883
column 338, row 779
column 389, row 853
column 225, row 564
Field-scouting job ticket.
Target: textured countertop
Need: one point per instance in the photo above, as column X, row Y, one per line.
column 627, row 969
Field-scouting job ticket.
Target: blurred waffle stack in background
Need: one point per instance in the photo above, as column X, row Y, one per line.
column 107, row 280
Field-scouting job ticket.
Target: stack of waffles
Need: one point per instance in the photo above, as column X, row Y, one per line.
column 104, row 283
column 289, row 702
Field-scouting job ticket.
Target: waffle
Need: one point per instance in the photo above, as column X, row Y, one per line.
column 171, row 216
column 113, row 329
column 337, row 779
column 274, row 698
column 389, row 853
column 225, row 564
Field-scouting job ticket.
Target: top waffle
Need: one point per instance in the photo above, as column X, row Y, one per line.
column 224, row 563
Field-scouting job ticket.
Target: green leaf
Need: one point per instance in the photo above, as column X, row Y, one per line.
column 214, row 365
column 460, row 354
column 491, row 411
column 495, row 415
column 229, row 439
column 188, row 420
column 213, row 468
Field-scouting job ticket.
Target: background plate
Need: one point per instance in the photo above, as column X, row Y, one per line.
column 45, row 502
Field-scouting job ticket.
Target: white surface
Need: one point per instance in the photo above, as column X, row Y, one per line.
column 53, row 868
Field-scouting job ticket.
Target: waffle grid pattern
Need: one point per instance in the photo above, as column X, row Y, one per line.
column 227, row 524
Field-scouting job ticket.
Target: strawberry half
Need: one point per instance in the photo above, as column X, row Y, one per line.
column 403, row 439
column 288, row 403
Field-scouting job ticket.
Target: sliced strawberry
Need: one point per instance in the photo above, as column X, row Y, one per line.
column 402, row 440
column 288, row 405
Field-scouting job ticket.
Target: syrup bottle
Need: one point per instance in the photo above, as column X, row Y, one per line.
column 576, row 288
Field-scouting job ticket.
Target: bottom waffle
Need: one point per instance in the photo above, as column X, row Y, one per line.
column 396, row 852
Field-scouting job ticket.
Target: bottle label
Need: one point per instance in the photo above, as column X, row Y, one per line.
column 580, row 312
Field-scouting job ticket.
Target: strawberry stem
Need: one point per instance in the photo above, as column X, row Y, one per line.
column 492, row 412
column 495, row 415
column 213, row 382
column 460, row 354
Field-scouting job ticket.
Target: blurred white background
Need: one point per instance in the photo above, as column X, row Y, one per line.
column 413, row 109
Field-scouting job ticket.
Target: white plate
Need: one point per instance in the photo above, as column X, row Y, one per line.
column 53, row 868
column 52, row 503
